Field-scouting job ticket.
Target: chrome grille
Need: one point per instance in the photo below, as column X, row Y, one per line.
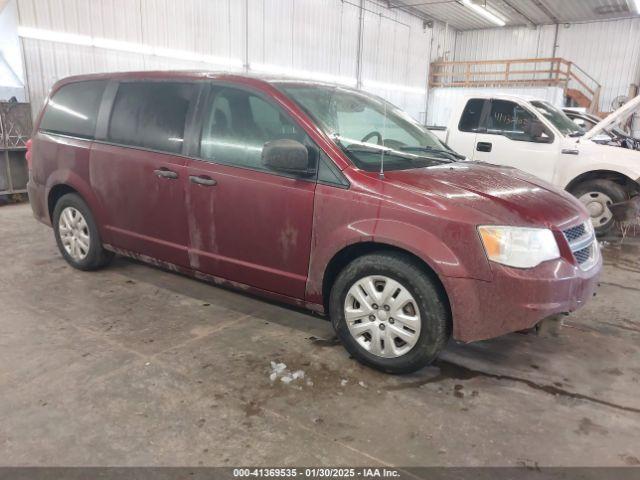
column 583, row 244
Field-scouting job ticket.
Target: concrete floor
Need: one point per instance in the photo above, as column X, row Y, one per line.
column 135, row 366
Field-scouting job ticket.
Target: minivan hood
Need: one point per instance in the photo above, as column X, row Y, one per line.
column 507, row 195
column 610, row 119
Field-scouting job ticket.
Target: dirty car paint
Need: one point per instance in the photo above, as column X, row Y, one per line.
column 275, row 235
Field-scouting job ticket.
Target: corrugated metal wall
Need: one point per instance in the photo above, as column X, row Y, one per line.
column 504, row 43
column 311, row 38
column 443, row 42
column 608, row 51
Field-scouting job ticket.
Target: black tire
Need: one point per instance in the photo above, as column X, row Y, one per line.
column 613, row 190
column 432, row 303
column 96, row 257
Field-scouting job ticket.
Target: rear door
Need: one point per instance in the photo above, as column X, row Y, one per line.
column 463, row 137
column 508, row 137
column 138, row 170
column 248, row 224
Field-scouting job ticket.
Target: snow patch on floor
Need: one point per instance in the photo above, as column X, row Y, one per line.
column 286, row 376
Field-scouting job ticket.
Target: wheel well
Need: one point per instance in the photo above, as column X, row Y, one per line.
column 627, row 183
column 55, row 194
column 351, row 252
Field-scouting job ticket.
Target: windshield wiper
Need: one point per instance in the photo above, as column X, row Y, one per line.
column 386, row 152
column 454, row 157
column 578, row 133
column 405, row 153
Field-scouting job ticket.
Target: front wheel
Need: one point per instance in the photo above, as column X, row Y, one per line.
column 389, row 313
column 596, row 196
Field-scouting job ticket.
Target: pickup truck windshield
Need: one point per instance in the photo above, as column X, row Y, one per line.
column 369, row 129
column 558, row 118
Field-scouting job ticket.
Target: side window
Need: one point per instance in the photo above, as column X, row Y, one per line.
column 272, row 122
column 584, row 123
column 581, row 122
column 73, row 109
column 150, row 115
column 237, row 124
column 471, row 115
column 514, row 122
column 329, row 174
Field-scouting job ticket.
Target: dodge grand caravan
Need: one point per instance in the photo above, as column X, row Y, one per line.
column 310, row 194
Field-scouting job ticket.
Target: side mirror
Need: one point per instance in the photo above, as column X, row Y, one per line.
column 536, row 129
column 537, row 132
column 287, row 156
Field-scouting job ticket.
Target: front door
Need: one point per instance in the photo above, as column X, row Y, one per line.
column 138, row 172
column 248, row 224
column 463, row 140
column 513, row 136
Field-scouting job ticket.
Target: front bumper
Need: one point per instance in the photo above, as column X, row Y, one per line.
column 517, row 299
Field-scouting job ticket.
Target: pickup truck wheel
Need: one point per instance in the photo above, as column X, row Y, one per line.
column 77, row 235
column 596, row 196
column 388, row 313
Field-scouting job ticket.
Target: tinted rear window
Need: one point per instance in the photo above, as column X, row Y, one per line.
column 150, row 115
column 471, row 116
column 73, row 109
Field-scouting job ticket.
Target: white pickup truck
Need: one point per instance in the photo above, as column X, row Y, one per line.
column 536, row 137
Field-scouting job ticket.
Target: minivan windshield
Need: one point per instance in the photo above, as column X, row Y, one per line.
column 368, row 129
column 558, row 118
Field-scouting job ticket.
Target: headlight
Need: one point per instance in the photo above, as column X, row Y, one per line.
column 518, row 246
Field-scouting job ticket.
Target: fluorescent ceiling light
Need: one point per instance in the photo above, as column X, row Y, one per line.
column 636, row 4
column 484, row 12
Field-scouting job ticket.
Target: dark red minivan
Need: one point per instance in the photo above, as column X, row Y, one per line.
column 312, row 194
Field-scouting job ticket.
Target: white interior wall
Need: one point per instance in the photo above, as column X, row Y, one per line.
column 442, row 101
column 307, row 38
column 11, row 70
column 609, row 51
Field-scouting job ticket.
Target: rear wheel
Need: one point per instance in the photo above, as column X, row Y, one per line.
column 596, row 196
column 389, row 313
column 77, row 235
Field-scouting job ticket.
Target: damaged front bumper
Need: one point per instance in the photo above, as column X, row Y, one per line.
column 517, row 299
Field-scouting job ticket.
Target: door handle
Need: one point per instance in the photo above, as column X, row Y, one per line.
column 202, row 180
column 484, row 146
column 166, row 173
column 570, row 151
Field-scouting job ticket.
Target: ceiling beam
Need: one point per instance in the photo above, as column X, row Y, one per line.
column 420, row 4
column 543, row 7
column 417, row 12
column 519, row 12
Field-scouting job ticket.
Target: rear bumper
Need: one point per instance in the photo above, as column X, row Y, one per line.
column 38, row 201
column 518, row 299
